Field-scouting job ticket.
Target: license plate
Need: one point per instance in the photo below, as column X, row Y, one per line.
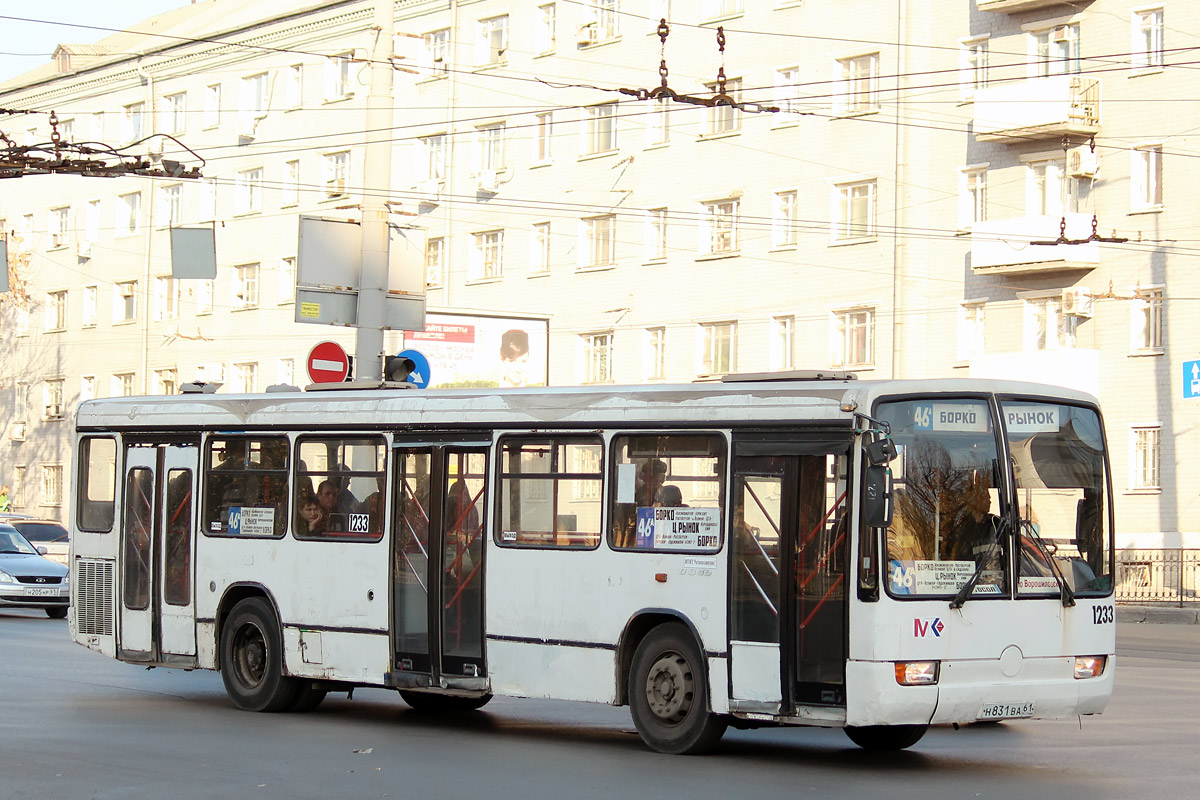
column 1005, row 710
column 41, row 591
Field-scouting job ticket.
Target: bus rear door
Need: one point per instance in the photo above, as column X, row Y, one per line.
column 158, row 614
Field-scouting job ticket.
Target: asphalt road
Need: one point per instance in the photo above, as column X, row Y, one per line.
column 74, row 724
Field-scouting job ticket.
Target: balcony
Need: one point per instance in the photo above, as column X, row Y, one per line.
column 1004, row 245
column 1013, row 6
column 1038, row 108
column 1074, row 367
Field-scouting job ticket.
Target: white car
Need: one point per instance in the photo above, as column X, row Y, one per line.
column 47, row 535
column 30, row 580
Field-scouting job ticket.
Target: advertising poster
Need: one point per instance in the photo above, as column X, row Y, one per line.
column 468, row 351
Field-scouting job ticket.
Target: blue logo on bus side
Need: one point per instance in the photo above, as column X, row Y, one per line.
column 235, row 520
column 923, row 416
column 901, row 577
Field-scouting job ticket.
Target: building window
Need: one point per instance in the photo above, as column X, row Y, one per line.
column 56, row 311
column 783, row 219
column 432, row 155
column 972, row 67
column 597, row 357
column 1146, row 320
column 90, row 295
column 1145, row 444
column 492, row 42
column 542, row 131
column 719, row 226
column 289, row 194
column 539, row 248
column 1056, row 50
column 245, row 286
column 129, row 214
column 174, row 113
column 717, row 347
column 52, row 399
column 125, row 301
column 165, row 381
column 60, row 227
column 724, row 118
column 601, row 129
column 490, row 150
column 52, row 484
column 487, row 255
column 166, row 299
column 854, row 216
column 604, row 23
column 856, row 84
column 204, row 296
column 786, row 88
column 18, row 493
column 435, row 261
column 293, row 85
column 122, row 384
column 972, row 196
column 783, row 343
column 656, row 234
column 339, row 77
column 252, row 101
column 1147, row 48
column 1049, row 191
column 170, row 205
column 658, row 129
column 970, row 331
column 245, row 378
column 247, row 192
column 285, row 280
column 91, row 221
column 87, row 387
column 131, row 122
column 546, row 32
column 21, row 402
column 599, row 245
column 335, row 172
column 212, row 105
column 854, row 337
column 654, row 353
column 435, row 51
column 1046, row 326
column 1146, row 175
column 714, row 9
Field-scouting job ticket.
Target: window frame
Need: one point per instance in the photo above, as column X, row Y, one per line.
column 1146, row 177
column 206, row 471
column 843, row 229
column 555, row 442
column 1142, row 462
column 596, row 358
column 483, row 243
column 341, row 470
column 708, row 344
column 102, row 518
column 842, row 327
column 855, row 93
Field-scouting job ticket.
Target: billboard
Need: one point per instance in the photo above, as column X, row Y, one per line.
column 472, row 350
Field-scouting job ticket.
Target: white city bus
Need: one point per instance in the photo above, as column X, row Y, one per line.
column 878, row 555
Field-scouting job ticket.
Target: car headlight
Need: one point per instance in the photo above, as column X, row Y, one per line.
column 6, row 578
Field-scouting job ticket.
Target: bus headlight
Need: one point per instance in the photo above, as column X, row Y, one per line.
column 1089, row 666
column 917, row 673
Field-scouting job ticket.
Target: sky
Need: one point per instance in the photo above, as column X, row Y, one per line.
column 29, row 32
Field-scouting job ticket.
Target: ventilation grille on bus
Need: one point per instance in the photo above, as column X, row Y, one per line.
column 94, row 597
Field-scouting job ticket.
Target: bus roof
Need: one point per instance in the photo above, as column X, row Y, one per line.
column 686, row 405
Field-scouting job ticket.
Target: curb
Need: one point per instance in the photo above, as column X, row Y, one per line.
column 1158, row 615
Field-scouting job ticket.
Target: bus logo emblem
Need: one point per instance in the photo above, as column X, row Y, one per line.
column 928, row 627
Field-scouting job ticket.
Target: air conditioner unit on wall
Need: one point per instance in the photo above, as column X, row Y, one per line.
column 1077, row 302
column 588, row 34
column 83, row 248
column 1082, row 162
column 487, row 181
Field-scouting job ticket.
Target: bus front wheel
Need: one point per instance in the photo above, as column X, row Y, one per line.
column 886, row 737
column 252, row 659
column 668, row 694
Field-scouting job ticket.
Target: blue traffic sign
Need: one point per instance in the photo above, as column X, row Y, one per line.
column 1191, row 379
column 419, row 377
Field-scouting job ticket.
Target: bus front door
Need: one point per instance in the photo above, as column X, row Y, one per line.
column 437, row 566
column 158, row 616
column 787, row 582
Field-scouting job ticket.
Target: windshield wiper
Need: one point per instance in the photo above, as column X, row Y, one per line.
column 997, row 528
column 1065, row 592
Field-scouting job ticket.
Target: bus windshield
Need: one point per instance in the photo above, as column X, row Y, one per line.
column 1058, row 466
column 948, row 505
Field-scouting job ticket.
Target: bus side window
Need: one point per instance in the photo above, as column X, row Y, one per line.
column 97, row 483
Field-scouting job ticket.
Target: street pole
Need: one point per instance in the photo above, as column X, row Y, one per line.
column 377, row 174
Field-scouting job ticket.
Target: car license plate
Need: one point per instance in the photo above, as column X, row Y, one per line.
column 1005, row 710
column 41, row 591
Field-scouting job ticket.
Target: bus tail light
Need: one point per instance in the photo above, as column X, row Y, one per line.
column 1089, row 666
column 916, row 673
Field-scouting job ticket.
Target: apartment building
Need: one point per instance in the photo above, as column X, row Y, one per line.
column 921, row 204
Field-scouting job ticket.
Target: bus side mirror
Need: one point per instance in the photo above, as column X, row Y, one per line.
column 877, row 497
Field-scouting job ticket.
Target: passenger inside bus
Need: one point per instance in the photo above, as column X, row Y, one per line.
column 313, row 517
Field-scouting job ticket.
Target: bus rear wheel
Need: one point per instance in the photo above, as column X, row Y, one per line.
column 427, row 701
column 886, row 737
column 252, row 659
column 668, row 694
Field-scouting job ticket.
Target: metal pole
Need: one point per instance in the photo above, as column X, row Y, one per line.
column 377, row 172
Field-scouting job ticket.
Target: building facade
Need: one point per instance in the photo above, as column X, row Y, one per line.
column 921, row 204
